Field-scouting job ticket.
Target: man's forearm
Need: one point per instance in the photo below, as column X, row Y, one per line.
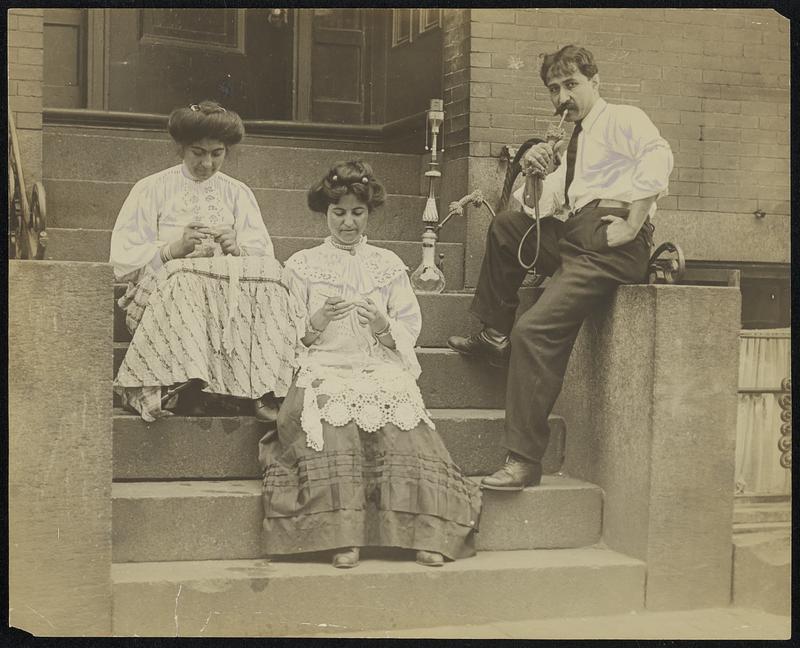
column 639, row 210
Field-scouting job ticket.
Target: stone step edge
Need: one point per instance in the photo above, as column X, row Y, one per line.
column 174, row 489
column 758, row 527
column 187, row 571
column 131, row 183
column 228, row 598
column 419, row 350
column 255, row 140
column 436, row 413
column 378, row 242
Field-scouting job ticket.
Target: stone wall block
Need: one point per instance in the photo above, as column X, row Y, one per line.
column 59, row 397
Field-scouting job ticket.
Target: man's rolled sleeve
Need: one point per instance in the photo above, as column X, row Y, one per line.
column 651, row 153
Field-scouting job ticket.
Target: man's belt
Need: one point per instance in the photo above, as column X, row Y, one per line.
column 605, row 203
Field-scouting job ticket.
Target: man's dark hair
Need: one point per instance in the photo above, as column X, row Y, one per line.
column 567, row 60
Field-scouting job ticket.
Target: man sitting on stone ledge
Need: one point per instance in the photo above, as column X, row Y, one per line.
column 596, row 236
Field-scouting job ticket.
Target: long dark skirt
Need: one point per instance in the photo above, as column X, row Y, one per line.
column 390, row 488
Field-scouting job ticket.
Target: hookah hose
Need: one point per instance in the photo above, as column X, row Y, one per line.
column 535, row 224
column 532, row 188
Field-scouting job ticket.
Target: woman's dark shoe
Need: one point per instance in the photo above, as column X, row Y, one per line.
column 346, row 559
column 516, row 474
column 495, row 348
column 265, row 409
column 430, row 558
column 191, row 400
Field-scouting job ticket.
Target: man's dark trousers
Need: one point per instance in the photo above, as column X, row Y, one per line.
column 585, row 272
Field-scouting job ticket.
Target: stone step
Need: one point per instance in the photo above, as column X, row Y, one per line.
column 226, row 447
column 127, row 155
column 262, row 598
column 761, row 527
column 221, row 520
column 65, row 244
column 443, row 315
column 762, row 571
column 448, row 380
column 94, row 204
column 759, row 513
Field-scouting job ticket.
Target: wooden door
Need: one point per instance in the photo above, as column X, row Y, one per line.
column 337, row 93
column 163, row 58
column 413, row 71
column 64, row 68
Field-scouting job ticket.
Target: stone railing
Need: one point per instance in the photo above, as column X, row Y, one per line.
column 650, row 401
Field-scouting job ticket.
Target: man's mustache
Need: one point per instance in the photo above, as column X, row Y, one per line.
column 563, row 108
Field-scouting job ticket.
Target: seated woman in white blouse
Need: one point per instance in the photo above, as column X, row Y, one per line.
column 356, row 460
column 205, row 300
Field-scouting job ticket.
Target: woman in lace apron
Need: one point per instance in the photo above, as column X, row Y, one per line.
column 205, row 300
column 356, row 460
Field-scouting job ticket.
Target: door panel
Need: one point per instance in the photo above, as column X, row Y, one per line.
column 164, row 58
column 64, row 58
column 337, row 66
column 413, row 62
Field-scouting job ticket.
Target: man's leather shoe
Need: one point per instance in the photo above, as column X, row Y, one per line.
column 482, row 346
column 516, row 474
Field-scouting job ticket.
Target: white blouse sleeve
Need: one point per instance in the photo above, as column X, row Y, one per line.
column 405, row 320
column 134, row 241
column 251, row 233
column 637, row 137
column 298, row 304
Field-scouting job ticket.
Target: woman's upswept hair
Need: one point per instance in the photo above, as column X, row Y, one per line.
column 566, row 60
column 353, row 177
column 206, row 119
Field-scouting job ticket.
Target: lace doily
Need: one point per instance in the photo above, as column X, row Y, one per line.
column 369, row 396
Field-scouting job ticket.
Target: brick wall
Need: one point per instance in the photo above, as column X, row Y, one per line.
column 25, row 59
column 456, row 28
column 714, row 81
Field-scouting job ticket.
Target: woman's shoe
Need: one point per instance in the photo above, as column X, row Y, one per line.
column 430, row 558
column 346, row 559
column 191, row 400
column 265, row 409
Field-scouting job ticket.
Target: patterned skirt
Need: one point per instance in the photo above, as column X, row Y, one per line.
column 388, row 488
column 225, row 320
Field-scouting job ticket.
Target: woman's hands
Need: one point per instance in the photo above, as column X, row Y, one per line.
column 369, row 314
column 195, row 232
column 192, row 235
column 227, row 241
column 334, row 308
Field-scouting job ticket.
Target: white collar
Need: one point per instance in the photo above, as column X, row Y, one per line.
column 591, row 118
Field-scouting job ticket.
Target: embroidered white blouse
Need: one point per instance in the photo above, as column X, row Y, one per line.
column 362, row 380
column 621, row 156
column 161, row 205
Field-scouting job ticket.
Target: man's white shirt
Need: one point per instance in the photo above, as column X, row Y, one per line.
column 620, row 156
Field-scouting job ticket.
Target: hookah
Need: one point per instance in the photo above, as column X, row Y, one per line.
column 530, row 196
column 428, row 277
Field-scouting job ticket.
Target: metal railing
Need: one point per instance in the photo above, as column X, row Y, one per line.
column 27, row 220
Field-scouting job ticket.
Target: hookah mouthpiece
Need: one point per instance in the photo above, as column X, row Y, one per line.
column 562, row 109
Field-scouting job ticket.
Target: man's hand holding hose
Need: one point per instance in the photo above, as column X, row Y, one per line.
column 538, row 161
